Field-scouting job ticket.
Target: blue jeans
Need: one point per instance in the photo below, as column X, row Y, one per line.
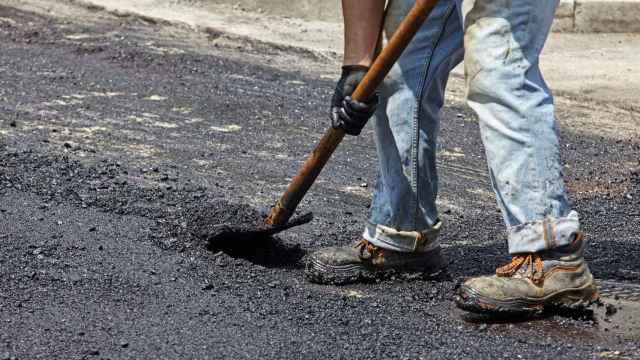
column 500, row 42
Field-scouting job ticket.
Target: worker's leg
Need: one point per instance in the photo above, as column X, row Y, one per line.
column 404, row 222
column 503, row 40
column 403, row 211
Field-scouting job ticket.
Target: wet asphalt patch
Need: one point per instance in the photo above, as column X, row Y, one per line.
column 112, row 134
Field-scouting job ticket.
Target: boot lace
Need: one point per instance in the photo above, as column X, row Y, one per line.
column 373, row 251
column 533, row 263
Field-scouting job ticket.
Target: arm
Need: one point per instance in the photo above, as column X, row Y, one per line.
column 362, row 24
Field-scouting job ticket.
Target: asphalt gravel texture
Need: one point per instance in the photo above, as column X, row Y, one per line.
column 117, row 132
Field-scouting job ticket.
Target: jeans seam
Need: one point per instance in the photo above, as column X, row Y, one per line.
column 416, row 121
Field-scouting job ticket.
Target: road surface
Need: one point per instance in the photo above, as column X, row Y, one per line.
column 116, row 130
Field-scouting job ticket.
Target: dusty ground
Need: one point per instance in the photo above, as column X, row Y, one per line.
column 115, row 131
column 601, row 67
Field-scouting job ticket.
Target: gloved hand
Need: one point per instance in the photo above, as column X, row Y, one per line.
column 347, row 113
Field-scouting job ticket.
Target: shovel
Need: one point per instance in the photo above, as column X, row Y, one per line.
column 280, row 215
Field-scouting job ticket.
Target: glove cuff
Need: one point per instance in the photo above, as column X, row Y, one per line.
column 348, row 69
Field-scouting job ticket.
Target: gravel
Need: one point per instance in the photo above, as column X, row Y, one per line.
column 117, row 258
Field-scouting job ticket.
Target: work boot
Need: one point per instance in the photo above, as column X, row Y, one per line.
column 366, row 262
column 531, row 283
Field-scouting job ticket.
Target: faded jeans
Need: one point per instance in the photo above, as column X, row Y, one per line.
column 500, row 42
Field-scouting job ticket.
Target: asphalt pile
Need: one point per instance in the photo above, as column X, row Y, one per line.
column 210, row 222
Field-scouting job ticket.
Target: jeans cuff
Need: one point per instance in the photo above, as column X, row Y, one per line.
column 543, row 235
column 403, row 241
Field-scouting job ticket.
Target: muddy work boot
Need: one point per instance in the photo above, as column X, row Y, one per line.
column 531, row 283
column 366, row 262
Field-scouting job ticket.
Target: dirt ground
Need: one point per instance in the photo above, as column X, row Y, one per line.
column 600, row 67
column 115, row 131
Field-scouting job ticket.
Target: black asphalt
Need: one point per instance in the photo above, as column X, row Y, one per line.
column 116, row 133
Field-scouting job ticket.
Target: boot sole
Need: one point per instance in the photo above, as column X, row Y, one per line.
column 575, row 299
column 321, row 273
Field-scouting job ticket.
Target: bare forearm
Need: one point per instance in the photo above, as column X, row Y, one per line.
column 362, row 23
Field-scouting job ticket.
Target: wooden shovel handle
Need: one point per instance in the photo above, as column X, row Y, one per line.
column 297, row 189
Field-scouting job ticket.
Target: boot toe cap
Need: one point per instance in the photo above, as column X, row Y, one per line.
column 335, row 256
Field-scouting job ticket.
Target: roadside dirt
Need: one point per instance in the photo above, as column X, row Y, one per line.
column 114, row 129
column 600, row 67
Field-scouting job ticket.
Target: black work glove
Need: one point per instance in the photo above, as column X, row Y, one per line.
column 347, row 113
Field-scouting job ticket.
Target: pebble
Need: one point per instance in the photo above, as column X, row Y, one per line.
column 207, row 287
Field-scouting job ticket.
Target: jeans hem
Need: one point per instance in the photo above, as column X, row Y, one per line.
column 545, row 234
column 403, row 241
